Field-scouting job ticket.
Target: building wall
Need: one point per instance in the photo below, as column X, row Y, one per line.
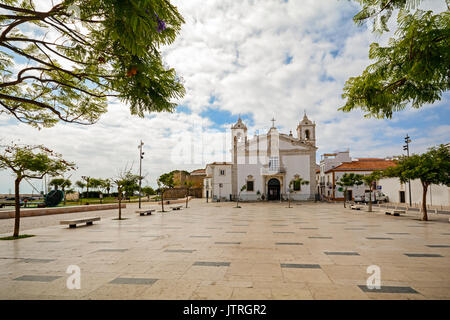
column 356, row 190
column 244, row 170
column 437, row 195
column 225, row 180
column 298, row 164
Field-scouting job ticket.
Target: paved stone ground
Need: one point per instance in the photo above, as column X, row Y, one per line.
column 215, row 251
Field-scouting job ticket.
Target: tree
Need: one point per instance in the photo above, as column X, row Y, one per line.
column 30, row 162
column 123, row 181
column 95, row 183
column 188, row 185
column 349, row 180
column 295, row 184
column 87, row 183
column 370, row 180
column 131, row 185
column 148, row 191
column 56, row 182
column 165, row 182
column 80, row 185
column 107, row 185
column 432, row 167
column 98, row 50
column 243, row 188
column 415, row 66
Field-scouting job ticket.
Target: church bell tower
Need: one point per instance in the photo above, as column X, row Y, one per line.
column 306, row 131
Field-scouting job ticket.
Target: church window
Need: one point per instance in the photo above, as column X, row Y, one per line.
column 307, row 134
column 222, row 172
column 250, row 186
column 274, row 163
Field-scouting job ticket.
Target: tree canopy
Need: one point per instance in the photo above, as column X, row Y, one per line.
column 62, row 64
column 432, row 167
column 349, row 180
column 32, row 162
column 60, row 183
column 413, row 69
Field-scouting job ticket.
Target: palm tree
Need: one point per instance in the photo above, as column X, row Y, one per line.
column 80, row 185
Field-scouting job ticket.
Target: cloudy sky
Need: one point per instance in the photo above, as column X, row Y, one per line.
column 260, row 59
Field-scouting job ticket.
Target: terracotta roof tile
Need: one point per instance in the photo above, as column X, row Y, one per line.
column 199, row 171
column 367, row 164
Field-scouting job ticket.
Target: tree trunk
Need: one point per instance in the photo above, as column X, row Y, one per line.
column 345, row 197
column 187, row 195
column 120, row 202
column 64, row 196
column 17, row 206
column 237, row 200
column 424, row 202
column 162, row 201
column 370, row 200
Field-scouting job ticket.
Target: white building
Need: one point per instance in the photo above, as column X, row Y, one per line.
column 266, row 164
column 329, row 161
column 437, row 195
column 363, row 166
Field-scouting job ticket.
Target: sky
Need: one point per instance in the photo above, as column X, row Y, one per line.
column 257, row 59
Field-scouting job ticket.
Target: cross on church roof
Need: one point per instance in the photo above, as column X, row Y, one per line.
column 273, row 122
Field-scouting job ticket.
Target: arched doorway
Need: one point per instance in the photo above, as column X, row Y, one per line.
column 273, row 189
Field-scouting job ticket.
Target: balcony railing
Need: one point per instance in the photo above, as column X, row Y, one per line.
column 272, row 170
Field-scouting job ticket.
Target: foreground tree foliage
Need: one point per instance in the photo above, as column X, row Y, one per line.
column 30, row 162
column 413, row 69
column 432, row 167
column 63, row 63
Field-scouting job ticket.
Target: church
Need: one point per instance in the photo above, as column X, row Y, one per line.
column 265, row 166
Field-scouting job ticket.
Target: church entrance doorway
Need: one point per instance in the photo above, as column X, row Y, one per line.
column 273, row 189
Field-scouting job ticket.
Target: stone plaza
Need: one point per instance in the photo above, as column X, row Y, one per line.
column 215, row 251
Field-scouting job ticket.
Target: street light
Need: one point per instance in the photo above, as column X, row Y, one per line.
column 141, row 156
column 406, row 148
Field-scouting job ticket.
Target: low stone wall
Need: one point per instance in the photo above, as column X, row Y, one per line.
column 60, row 210
column 177, row 193
column 173, row 201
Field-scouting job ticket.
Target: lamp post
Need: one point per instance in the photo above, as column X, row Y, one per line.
column 406, row 147
column 141, row 156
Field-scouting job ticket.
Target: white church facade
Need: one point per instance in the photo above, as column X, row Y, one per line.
column 266, row 164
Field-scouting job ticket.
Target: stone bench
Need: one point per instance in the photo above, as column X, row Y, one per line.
column 177, row 207
column 145, row 212
column 355, row 207
column 395, row 212
column 73, row 223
